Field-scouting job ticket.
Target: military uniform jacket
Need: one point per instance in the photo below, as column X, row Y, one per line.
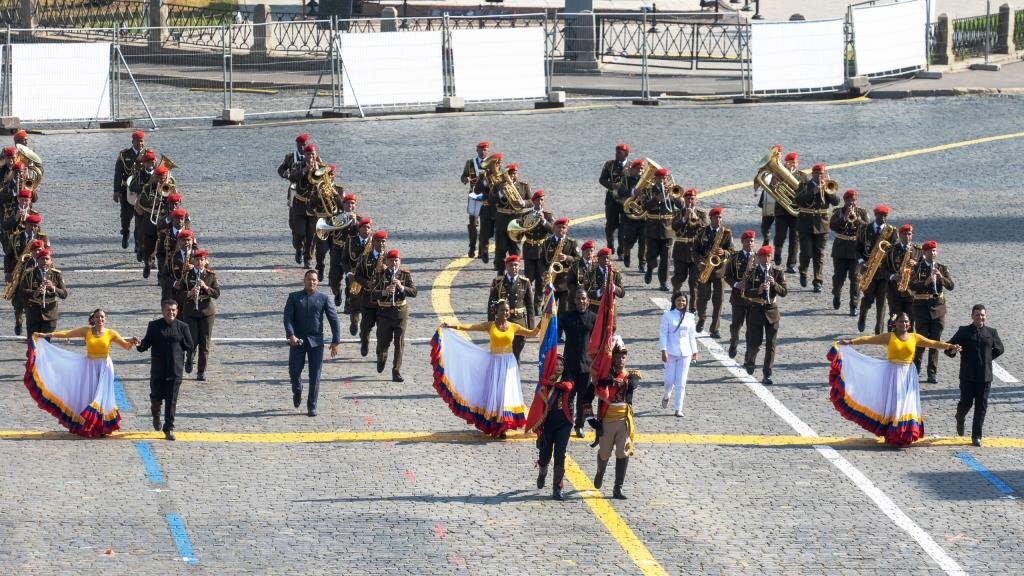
column 844, row 245
column 472, row 171
column 927, row 293
column 315, row 206
column 517, row 293
column 291, row 168
column 866, row 238
column 611, row 173
column 14, row 221
column 17, row 246
column 660, row 209
column 364, row 273
column 379, row 292
column 356, row 248
column 177, row 263
column 534, row 239
column 597, row 279
column 579, row 276
column 167, row 238
column 760, row 300
column 813, row 204
column 30, row 283
column 801, row 177
column 736, row 269
column 705, row 242
column 894, row 261
column 341, row 237
column 570, row 251
column 502, row 204
column 124, row 166
column 144, row 184
column 616, row 388
column 686, row 233
column 185, row 293
column 626, row 191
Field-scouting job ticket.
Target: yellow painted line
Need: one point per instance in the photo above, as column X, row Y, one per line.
column 441, row 291
column 241, row 90
column 616, row 526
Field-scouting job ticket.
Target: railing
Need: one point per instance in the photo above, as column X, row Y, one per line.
column 10, row 13
column 1018, row 30
column 703, row 45
column 91, row 14
column 305, row 36
column 970, row 35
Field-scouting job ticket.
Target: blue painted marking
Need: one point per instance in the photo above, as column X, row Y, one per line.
column 177, row 528
column 992, row 478
column 123, row 403
column 153, row 472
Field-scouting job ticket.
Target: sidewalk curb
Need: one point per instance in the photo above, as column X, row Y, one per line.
column 941, row 93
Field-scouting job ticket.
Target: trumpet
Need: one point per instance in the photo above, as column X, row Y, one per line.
column 851, row 215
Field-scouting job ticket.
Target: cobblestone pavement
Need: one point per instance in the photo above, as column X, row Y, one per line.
column 759, row 501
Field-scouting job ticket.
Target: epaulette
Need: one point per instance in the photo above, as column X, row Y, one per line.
column 406, row 270
column 57, row 270
column 635, row 374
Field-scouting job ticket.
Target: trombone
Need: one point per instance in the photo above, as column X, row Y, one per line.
column 165, row 189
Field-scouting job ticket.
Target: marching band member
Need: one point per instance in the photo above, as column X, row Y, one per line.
column 360, row 245
column 597, row 278
column 739, row 265
column 929, row 283
column 293, row 169
column 15, row 214
column 21, row 137
column 19, row 239
column 632, row 230
column 562, row 249
column 687, row 225
column 320, row 207
column 813, row 200
column 506, row 210
column 579, row 273
column 365, row 273
column 533, row 243
column 553, row 435
column 517, row 293
column 472, row 174
column 393, row 288
column 612, row 174
column 785, row 223
column 339, row 240
column 196, row 290
column 900, row 261
column 707, row 246
column 766, row 202
column 167, row 231
column 300, row 217
column 845, row 223
column 762, row 288
column 677, row 338
column 877, row 291
column 41, row 290
column 178, row 263
column 616, row 431
column 125, row 166
column 6, row 163
column 660, row 206
column 148, row 199
column 488, row 210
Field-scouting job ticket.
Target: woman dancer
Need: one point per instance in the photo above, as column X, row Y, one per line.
column 481, row 387
column 677, row 338
column 77, row 390
column 882, row 396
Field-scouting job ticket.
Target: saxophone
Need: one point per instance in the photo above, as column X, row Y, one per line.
column 903, row 285
column 12, row 287
column 556, row 267
column 356, row 287
column 878, row 252
column 712, row 261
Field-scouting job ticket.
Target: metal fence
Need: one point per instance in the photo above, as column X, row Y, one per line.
column 973, row 36
column 1018, row 30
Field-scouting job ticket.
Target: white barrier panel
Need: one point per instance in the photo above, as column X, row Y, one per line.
column 60, row 81
column 797, row 56
column 891, row 37
column 495, row 64
column 390, row 68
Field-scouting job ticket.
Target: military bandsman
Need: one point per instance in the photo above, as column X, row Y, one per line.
column 391, row 291
column 929, row 283
column 877, row 289
column 196, row 290
column 713, row 243
column 762, row 288
column 533, row 245
column 511, row 199
column 740, row 264
column 900, row 263
column 612, row 175
column 786, row 223
column 472, row 174
column 124, row 167
column 845, row 222
column 660, row 206
column 687, row 224
column 632, row 226
column 516, row 291
column 813, row 200
column 560, row 249
column 42, row 289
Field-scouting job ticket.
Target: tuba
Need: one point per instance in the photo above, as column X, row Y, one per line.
column 33, row 167
column 878, row 253
column 774, row 178
column 632, row 206
column 325, row 226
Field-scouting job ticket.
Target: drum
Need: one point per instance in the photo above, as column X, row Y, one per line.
column 473, row 204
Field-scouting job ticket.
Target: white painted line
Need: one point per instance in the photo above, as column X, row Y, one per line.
column 1001, row 373
column 229, row 340
column 881, row 500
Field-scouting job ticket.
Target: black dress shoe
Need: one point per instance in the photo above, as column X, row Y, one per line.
column 664, row 287
column 542, row 474
column 156, row 421
column 767, row 381
column 732, row 349
column 353, row 329
column 305, row 264
column 976, row 440
column 364, row 347
column 145, row 270
column 124, row 240
column 700, row 325
column 959, row 426
column 298, row 256
column 579, row 431
column 319, row 273
column 201, row 377
column 311, row 412
column 835, row 302
column 169, row 434
column 337, row 299
column 860, row 323
column 648, row 275
column 817, row 290
column 380, row 365
column 749, row 368
column 854, row 311
column 715, row 335
column 472, row 252
column 641, row 267
column 556, row 493
column 617, row 493
column 625, row 260
column 790, row 270
column 17, row 328
column 931, row 380
column 188, row 365
column 803, row 280
column 396, row 376
column 484, row 257
column 296, row 398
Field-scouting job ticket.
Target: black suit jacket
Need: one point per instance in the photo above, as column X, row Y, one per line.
column 304, row 317
column 980, row 347
column 167, row 344
column 577, row 327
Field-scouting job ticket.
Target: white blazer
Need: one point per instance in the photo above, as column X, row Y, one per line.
column 678, row 339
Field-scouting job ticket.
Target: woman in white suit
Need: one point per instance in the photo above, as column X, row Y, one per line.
column 678, row 341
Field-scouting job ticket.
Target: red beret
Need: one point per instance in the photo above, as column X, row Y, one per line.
column 185, row 234
column 33, row 219
column 37, row 244
column 538, row 193
column 10, row 151
column 364, row 221
column 882, row 209
column 930, row 245
column 18, row 165
column 178, row 213
column 309, row 147
column 173, row 198
column 498, row 156
column 348, row 198
column 792, row 157
column 690, row 193
column 588, row 245
column 906, row 228
column 748, row 234
column 138, row 135
column 819, row 167
column 716, row 211
column 513, row 167
column 562, row 221
column 380, row 235
column 160, row 170
column 149, row 156
column 606, row 251
column 661, row 172
column 636, row 163
column 43, row 253
column 393, row 253
column 333, row 168
column 20, row 135
column 302, row 138
column 200, row 253
column 483, row 144
column 851, row 193
column 765, row 250
column 511, row 258
column 24, row 193
column 623, row 147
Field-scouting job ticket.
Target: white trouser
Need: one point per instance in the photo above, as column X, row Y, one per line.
column 676, row 370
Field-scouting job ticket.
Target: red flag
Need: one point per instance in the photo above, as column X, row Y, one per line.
column 599, row 348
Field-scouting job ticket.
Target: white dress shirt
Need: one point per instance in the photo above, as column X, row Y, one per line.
column 675, row 337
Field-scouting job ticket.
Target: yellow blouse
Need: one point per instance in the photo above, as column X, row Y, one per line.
column 901, row 351
column 96, row 347
column 501, row 340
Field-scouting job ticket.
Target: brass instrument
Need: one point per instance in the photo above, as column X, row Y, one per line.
column 775, row 179
column 878, row 253
column 166, row 163
column 356, row 287
column 830, row 186
column 712, row 261
column 851, row 215
column 12, row 287
column 165, row 189
column 511, row 190
column 518, row 228
column 632, row 206
column 906, row 269
column 556, row 267
column 33, row 167
column 325, row 226
column 489, row 165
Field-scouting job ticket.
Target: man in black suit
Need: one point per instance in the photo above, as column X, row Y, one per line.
column 304, row 327
column 168, row 340
column 981, row 345
column 577, row 324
